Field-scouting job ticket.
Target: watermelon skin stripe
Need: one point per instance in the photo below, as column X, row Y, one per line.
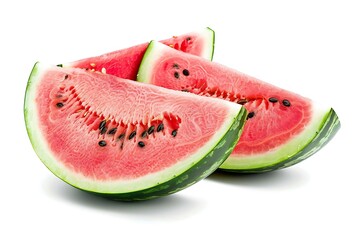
column 206, row 166
column 328, row 130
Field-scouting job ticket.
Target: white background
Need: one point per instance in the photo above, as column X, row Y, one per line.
column 311, row 47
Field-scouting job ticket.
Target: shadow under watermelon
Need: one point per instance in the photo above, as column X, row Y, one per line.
column 280, row 179
column 176, row 206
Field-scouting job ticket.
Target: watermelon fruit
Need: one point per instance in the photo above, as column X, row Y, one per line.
column 125, row 63
column 122, row 139
column 283, row 128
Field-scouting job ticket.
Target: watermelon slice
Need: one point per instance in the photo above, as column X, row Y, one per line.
column 122, row 139
column 125, row 63
column 283, row 128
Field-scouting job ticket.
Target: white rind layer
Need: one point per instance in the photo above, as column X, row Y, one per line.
column 209, row 36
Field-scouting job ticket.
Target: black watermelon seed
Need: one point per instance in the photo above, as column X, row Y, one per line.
column 132, row 135
column 242, row 101
column 176, row 75
column 66, row 76
column 184, row 90
column 250, row 115
column 150, row 130
column 103, row 130
column 186, row 72
column 122, row 145
column 160, row 127
column 59, row 105
column 188, row 38
column 144, row 134
column 121, row 136
column 102, row 143
column 286, row 103
column 176, row 65
column 102, row 124
column 141, row 144
column 174, row 132
column 59, row 65
column 112, row 131
column 273, row 100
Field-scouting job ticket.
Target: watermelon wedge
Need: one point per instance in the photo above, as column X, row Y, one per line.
column 283, row 128
column 122, row 139
column 125, row 63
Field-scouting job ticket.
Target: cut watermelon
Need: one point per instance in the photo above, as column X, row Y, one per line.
column 125, row 63
column 283, row 128
column 122, row 139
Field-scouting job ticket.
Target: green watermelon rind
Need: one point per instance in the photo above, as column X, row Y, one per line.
column 206, row 160
column 326, row 130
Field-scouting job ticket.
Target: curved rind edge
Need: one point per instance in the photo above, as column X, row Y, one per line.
column 212, row 45
column 329, row 128
column 34, row 71
column 141, row 76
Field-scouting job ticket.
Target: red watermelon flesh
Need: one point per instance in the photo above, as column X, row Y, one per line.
column 125, row 63
column 122, row 138
column 280, row 123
